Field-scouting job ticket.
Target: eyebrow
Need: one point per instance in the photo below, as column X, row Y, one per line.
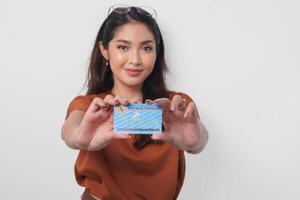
column 126, row 41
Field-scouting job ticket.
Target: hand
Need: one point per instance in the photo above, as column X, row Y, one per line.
column 181, row 123
column 95, row 130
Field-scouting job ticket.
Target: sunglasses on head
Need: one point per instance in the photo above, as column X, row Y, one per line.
column 123, row 9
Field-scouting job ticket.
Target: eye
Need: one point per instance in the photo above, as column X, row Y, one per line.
column 148, row 48
column 122, row 47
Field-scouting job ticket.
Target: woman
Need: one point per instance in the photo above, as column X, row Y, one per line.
column 128, row 66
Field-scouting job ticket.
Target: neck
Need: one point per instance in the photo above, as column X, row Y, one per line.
column 132, row 94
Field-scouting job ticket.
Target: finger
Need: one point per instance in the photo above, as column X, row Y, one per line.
column 191, row 111
column 97, row 104
column 161, row 101
column 103, row 104
column 164, row 103
column 149, row 101
column 109, row 99
column 177, row 99
column 121, row 136
column 182, row 105
column 122, row 101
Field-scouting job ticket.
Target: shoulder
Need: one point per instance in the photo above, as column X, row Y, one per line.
column 87, row 99
column 82, row 102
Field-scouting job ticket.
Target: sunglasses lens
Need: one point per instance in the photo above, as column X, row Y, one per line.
column 144, row 10
column 141, row 11
column 121, row 9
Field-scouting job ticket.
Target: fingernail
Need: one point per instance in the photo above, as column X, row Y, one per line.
column 148, row 101
column 116, row 102
column 172, row 107
column 185, row 115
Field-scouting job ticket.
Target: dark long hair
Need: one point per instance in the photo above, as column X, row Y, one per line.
column 100, row 77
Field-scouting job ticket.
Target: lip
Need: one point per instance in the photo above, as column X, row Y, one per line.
column 134, row 72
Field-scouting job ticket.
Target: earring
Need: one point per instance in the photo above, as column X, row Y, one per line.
column 107, row 65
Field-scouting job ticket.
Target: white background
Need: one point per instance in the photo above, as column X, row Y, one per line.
column 239, row 60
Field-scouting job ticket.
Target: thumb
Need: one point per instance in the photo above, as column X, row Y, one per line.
column 162, row 136
column 120, row 136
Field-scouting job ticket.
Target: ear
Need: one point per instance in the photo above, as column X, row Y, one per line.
column 103, row 50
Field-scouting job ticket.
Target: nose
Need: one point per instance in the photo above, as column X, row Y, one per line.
column 135, row 58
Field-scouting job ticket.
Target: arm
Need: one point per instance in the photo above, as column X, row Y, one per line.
column 70, row 128
column 92, row 130
column 202, row 142
column 183, row 127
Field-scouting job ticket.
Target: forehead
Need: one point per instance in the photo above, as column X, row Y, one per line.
column 134, row 32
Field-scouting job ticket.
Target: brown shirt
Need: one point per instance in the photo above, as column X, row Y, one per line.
column 119, row 171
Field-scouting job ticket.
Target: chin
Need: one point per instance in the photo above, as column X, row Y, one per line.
column 134, row 83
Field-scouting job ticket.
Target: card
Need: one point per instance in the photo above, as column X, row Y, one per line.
column 138, row 118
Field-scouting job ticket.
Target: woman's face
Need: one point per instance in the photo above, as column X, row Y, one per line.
column 131, row 54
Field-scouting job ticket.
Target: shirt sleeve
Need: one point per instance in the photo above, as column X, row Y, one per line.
column 78, row 103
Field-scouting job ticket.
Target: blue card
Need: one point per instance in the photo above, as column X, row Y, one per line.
column 138, row 119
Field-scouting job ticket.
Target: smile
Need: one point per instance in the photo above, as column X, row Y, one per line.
column 134, row 72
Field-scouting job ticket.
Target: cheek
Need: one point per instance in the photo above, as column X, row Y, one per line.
column 116, row 59
column 151, row 61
